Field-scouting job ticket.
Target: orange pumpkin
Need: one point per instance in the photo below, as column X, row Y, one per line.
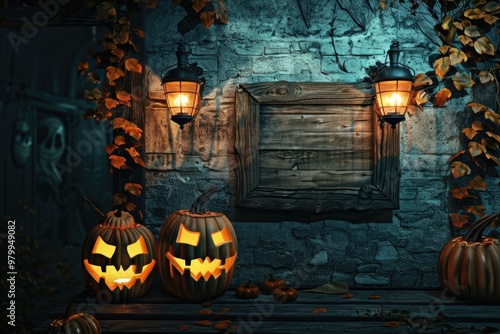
column 469, row 266
column 197, row 252
column 83, row 323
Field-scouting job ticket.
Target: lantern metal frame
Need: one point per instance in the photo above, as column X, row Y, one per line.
column 402, row 76
column 183, row 75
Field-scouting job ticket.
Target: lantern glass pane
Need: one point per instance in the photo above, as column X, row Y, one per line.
column 182, row 97
column 393, row 96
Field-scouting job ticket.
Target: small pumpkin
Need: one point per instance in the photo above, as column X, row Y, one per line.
column 285, row 294
column 118, row 257
column 71, row 323
column 197, row 252
column 469, row 266
column 247, row 291
column 270, row 284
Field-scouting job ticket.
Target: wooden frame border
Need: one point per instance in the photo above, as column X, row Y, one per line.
column 382, row 193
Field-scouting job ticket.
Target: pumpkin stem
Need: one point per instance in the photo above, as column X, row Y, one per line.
column 99, row 212
column 118, row 212
column 271, row 278
column 248, row 284
column 477, row 229
column 198, row 206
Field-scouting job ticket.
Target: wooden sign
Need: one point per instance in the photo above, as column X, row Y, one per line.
column 315, row 147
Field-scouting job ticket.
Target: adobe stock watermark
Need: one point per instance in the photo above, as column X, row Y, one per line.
column 31, row 26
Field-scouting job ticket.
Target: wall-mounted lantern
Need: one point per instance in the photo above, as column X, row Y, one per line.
column 393, row 85
column 183, row 89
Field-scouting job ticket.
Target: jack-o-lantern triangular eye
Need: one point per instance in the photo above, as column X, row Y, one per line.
column 103, row 248
column 138, row 247
column 186, row 236
column 222, row 237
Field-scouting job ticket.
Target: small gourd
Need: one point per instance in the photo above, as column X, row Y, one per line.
column 272, row 283
column 247, row 291
column 285, row 294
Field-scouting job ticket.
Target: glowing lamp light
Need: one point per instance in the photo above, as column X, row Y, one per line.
column 182, row 89
column 393, row 85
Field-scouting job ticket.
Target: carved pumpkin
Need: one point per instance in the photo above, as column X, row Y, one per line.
column 247, row 291
column 270, row 284
column 469, row 266
column 119, row 256
column 197, row 252
column 71, row 323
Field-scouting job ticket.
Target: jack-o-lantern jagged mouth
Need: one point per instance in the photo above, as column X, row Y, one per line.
column 199, row 267
column 119, row 278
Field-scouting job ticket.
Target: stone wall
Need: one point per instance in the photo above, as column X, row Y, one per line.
column 269, row 41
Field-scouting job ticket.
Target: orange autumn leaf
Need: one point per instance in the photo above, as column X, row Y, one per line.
column 119, row 53
column 493, row 158
column 319, row 310
column 493, row 135
column 110, row 103
column 132, row 151
column 139, row 161
column 123, row 95
column 476, row 149
column 477, row 183
column 459, row 220
column 492, row 116
column 392, row 324
column 82, row 67
column 421, row 98
column 134, row 188
column 422, row 79
column 464, row 39
column 442, row 96
column 442, row 66
column 478, row 210
column 205, row 311
column 120, row 123
column 456, row 155
column 118, row 162
column 223, row 310
column 199, row 5
column 113, row 73
column 469, row 132
column 183, row 327
column 223, row 324
column 459, row 169
column 459, row 192
column 203, row 323
column 133, row 65
column 110, row 148
column 477, row 125
column 139, row 32
column 221, row 13
column 134, row 132
column 347, row 295
column 374, row 297
column 130, row 207
column 119, row 140
column 443, row 49
column 207, row 18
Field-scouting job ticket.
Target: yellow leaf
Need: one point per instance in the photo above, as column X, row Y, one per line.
column 472, row 31
column 459, row 169
column 462, row 81
column 446, row 22
column 477, row 183
column 459, row 220
column 207, row 18
column 493, row 158
column 493, row 135
column 444, row 49
column 442, row 96
column 382, row 4
column 133, row 188
column 119, row 140
column 82, row 67
column 492, row 116
column 459, row 25
column 485, row 77
column 110, row 103
column 457, row 56
column 422, row 79
column 464, row 39
column 490, row 19
column 113, row 73
column 476, row 149
column 422, row 98
column 118, row 162
column 474, row 14
column 483, row 46
column 470, row 133
column 442, row 66
column 133, row 65
column 476, row 107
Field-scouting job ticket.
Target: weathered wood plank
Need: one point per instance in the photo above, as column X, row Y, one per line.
column 317, row 160
column 345, row 111
column 306, row 179
column 295, row 140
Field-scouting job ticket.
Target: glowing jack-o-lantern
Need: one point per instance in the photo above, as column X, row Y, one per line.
column 119, row 256
column 197, row 252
